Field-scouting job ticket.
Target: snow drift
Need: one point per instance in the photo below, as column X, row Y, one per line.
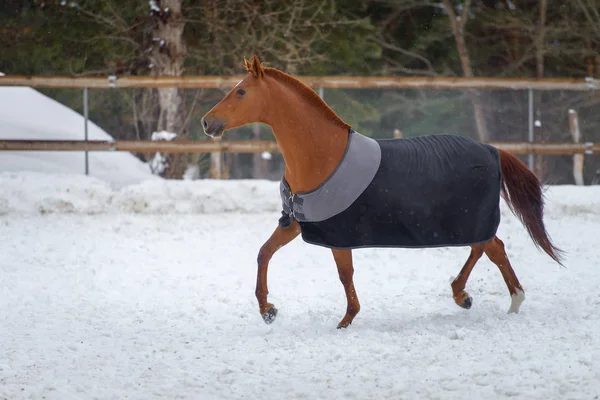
column 27, row 114
column 34, row 193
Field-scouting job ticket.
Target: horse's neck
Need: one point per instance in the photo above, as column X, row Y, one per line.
column 311, row 142
column 311, row 151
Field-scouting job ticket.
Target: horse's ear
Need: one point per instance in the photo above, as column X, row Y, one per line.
column 256, row 68
column 247, row 64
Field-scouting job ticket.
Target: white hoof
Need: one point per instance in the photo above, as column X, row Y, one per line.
column 515, row 301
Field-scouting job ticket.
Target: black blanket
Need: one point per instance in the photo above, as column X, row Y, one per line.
column 429, row 191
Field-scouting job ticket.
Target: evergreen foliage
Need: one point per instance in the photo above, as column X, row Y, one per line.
column 504, row 38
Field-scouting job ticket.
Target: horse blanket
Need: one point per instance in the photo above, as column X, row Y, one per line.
column 426, row 191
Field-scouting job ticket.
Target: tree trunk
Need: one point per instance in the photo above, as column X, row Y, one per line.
column 515, row 39
column 168, row 54
column 458, row 26
column 540, row 40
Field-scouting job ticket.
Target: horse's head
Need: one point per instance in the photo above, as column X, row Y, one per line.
column 242, row 105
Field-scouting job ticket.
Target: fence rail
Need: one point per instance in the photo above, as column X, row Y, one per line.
column 576, row 149
column 252, row 146
column 358, row 82
column 141, row 146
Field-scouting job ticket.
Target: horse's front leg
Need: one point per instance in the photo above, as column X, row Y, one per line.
column 343, row 259
column 278, row 239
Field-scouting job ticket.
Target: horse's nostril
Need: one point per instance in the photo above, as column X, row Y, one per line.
column 204, row 123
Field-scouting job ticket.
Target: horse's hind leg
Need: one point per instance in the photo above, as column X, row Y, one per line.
column 461, row 297
column 494, row 249
column 343, row 260
column 278, row 239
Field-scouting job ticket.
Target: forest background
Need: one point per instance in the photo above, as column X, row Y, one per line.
column 482, row 38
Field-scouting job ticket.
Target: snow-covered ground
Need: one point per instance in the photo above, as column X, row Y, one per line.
column 147, row 292
column 27, row 114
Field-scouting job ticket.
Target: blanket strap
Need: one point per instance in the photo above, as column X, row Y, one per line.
column 291, row 204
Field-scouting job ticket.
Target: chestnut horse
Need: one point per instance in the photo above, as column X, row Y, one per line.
column 299, row 118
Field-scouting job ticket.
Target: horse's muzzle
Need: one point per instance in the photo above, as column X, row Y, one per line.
column 213, row 127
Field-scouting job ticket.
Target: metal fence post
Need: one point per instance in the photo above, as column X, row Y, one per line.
column 85, row 115
column 530, row 156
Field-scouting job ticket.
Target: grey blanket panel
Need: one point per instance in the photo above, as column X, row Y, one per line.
column 349, row 180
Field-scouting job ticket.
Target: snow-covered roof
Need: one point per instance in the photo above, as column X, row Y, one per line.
column 28, row 114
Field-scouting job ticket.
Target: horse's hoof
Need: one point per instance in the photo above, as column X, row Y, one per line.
column 467, row 303
column 270, row 315
column 346, row 322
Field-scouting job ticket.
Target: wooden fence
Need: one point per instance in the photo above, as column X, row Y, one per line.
column 357, row 82
column 577, row 149
column 252, row 146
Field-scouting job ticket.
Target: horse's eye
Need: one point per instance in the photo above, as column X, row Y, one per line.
column 241, row 92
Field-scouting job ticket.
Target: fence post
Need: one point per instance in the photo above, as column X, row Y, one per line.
column 216, row 163
column 85, row 127
column 531, row 136
column 577, row 158
column 259, row 163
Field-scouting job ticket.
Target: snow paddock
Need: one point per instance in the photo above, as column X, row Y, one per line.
column 147, row 291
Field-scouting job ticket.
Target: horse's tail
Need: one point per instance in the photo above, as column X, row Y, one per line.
column 522, row 191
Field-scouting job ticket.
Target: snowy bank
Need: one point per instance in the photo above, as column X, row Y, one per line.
column 26, row 114
column 34, row 193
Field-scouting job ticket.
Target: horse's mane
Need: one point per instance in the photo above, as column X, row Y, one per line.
column 307, row 93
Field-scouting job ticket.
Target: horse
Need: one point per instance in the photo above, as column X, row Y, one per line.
column 332, row 201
